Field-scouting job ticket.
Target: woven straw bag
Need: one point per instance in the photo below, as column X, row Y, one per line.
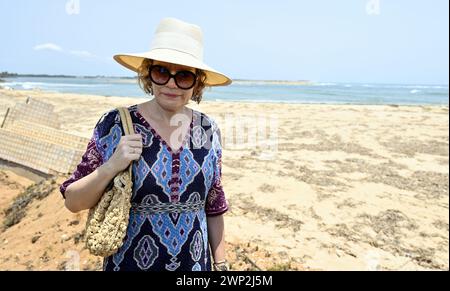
column 107, row 222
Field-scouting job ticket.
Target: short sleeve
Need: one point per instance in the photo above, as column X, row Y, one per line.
column 105, row 138
column 216, row 203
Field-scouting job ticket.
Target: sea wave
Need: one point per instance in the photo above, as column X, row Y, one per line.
column 416, row 87
column 325, row 84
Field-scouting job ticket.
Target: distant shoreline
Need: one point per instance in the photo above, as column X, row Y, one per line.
column 14, row 75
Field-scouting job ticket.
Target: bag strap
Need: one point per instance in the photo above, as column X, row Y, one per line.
column 125, row 117
column 127, row 125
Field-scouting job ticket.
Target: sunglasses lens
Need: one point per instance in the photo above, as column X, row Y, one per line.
column 159, row 75
column 185, row 79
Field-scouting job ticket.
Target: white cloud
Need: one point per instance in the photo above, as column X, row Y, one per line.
column 47, row 46
column 57, row 48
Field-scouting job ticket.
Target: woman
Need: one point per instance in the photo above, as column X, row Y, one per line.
column 176, row 169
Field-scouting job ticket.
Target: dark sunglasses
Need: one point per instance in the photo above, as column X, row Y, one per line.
column 161, row 75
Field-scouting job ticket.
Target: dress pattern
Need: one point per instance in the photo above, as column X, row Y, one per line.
column 174, row 191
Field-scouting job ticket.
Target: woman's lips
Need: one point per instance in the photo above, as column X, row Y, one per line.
column 171, row 95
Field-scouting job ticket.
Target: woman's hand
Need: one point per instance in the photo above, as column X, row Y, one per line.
column 129, row 149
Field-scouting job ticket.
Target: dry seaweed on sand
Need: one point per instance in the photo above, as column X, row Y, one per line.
column 17, row 210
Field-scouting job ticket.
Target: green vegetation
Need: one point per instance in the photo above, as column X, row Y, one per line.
column 7, row 74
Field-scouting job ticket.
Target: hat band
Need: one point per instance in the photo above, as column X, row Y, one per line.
column 179, row 42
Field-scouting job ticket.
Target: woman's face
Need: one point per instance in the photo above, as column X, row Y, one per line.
column 169, row 96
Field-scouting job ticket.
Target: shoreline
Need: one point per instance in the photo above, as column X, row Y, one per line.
column 5, row 91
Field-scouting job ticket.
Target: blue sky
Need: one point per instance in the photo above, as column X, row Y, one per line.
column 379, row 41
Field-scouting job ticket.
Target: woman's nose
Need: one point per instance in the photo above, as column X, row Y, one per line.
column 171, row 83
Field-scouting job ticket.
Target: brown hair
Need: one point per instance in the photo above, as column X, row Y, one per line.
column 146, row 84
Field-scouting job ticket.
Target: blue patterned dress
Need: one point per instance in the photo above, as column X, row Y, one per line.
column 173, row 193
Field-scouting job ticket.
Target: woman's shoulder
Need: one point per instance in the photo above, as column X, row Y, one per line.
column 108, row 121
column 108, row 117
column 113, row 115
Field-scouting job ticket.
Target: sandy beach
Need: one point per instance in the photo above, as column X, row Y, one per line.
column 350, row 187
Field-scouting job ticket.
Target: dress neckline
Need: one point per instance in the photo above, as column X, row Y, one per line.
column 159, row 137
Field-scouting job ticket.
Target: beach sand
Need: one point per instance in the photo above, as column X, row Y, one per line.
column 350, row 187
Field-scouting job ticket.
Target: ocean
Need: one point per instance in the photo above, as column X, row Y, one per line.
column 257, row 91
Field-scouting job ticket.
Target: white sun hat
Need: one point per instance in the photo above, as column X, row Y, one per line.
column 176, row 42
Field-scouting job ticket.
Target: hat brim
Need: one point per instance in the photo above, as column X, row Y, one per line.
column 133, row 61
